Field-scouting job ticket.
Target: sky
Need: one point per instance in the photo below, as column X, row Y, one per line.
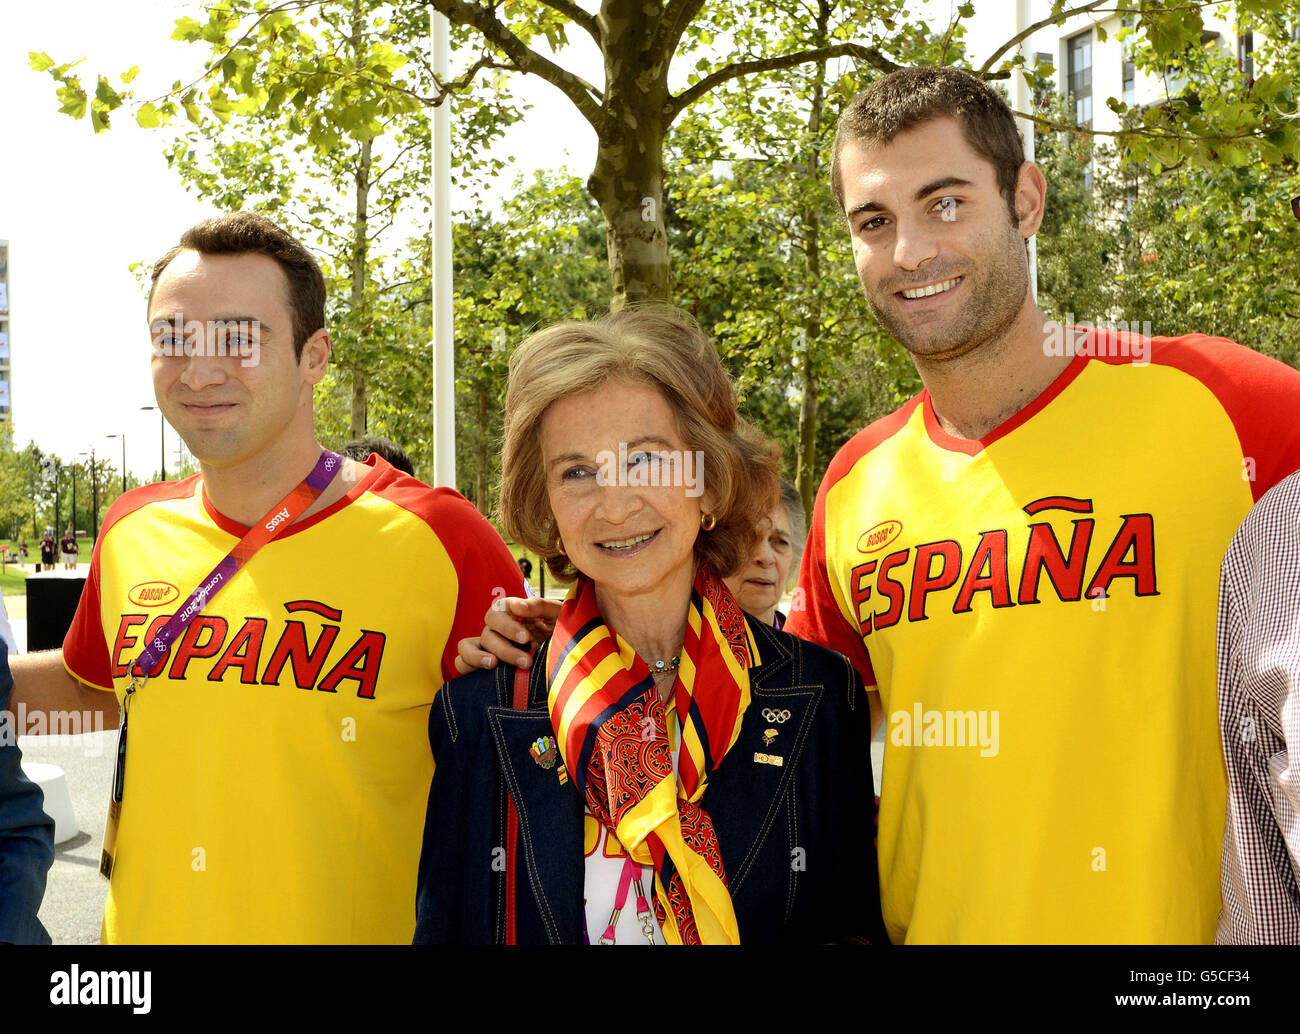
column 78, row 208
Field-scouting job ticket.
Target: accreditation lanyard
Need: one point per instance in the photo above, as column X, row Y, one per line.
column 630, row 875
column 269, row 527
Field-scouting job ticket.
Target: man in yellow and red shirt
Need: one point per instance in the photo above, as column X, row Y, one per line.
column 277, row 765
column 1023, row 560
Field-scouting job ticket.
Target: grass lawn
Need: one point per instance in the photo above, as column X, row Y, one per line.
column 14, row 579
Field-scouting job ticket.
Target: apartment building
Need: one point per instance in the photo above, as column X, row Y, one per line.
column 1092, row 63
column 5, row 377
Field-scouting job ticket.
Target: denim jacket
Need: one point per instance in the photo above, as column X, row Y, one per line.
column 796, row 838
column 26, row 833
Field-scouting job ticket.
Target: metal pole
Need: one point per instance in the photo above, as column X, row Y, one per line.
column 444, row 367
column 1022, row 98
column 123, row 437
column 162, row 440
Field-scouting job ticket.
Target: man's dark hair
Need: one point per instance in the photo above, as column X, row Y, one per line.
column 906, row 98
column 248, row 233
column 361, row 448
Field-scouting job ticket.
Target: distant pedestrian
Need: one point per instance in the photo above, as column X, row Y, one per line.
column 68, row 547
column 47, row 550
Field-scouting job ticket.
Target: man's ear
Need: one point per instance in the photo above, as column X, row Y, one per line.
column 1031, row 198
column 315, row 358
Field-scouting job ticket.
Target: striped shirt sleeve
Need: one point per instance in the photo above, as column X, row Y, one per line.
column 1259, row 675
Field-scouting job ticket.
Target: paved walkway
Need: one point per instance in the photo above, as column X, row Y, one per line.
column 74, row 892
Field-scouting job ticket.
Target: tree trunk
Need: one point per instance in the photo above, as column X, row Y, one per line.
column 480, row 482
column 806, row 469
column 359, row 252
column 628, row 179
column 358, row 417
column 628, row 184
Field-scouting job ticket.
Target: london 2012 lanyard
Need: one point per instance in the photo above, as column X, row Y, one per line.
column 280, row 517
column 293, row 506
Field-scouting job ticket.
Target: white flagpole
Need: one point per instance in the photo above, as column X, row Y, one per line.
column 1022, row 99
column 444, row 370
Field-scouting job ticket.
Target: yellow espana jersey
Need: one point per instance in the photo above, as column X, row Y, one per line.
column 1037, row 610
column 278, row 762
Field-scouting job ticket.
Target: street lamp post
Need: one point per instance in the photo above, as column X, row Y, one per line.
column 94, row 487
column 162, row 438
column 73, row 468
column 123, row 437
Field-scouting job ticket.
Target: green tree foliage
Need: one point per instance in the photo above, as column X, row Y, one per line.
column 536, row 262
column 759, row 255
column 764, row 258
column 1191, row 248
column 20, row 476
column 266, row 60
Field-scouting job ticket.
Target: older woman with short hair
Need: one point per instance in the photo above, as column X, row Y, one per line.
column 668, row 770
column 759, row 583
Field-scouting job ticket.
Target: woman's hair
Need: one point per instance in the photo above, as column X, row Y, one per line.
column 662, row 347
column 793, row 503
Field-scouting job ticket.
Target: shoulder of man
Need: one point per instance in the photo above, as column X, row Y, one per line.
column 138, row 498
column 870, row 437
column 1259, row 394
column 452, row 517
column 485, row 569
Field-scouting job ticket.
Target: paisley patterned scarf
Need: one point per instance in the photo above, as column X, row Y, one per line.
column 613, row 736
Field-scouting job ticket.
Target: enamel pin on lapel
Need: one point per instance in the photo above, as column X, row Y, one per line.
column 769, row 759
column 545, row 752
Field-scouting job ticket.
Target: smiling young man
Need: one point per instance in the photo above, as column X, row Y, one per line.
column 277, row 764
column 1030, row 545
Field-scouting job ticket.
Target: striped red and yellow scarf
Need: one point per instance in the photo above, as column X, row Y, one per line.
column 612, row 732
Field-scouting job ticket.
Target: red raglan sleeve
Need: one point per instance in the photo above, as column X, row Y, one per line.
column 814, row 613
column 1261, row 397
column 485, row 569
column 85, row 647
column 85, row 650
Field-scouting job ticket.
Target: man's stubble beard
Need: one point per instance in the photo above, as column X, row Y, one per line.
column 993, row 308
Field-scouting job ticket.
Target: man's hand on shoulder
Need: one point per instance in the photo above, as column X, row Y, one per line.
column 509, row 623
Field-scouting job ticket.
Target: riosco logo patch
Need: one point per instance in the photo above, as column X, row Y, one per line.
column 880, row 536
column 153, row 594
